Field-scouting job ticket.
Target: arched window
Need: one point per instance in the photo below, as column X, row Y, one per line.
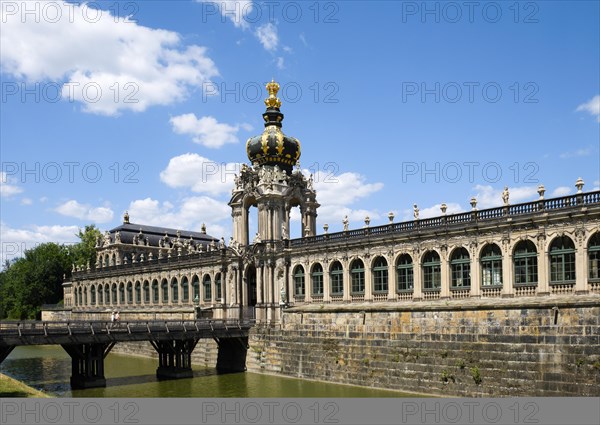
column 122, row 293
column 146, row 292
column 380, row 275
column 357, row 277
column 432, row 279
column 317, row 280
column 336, row 277
column 113, row 260
column 106, row 260
column 93, row 295
column 174, row 291
column 218, row 290
column 106, row 294
column 100, row 295
column 138, row 293
column 404, row 273
column 185, row 290
column 206, row 285
column 491, row 265
column 75, row 296
column 196, row 289
column 114, row 294
column 460, row 264
column 299, row 286
column 164, row 286
column 562, row 260
column 155, row 299
column 594, row 257
column 525, row 263
column 85, row 299
column 129, row 293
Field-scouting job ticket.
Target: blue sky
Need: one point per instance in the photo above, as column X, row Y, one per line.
column 146, row 107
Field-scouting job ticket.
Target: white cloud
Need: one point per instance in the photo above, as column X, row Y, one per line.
column 190, row 215
column 199, row 174
column 303, row 39
column 8, row 187
column 234, row 10
column 596, row 185
column 206, row 131
column 577, row 153
column 561, row 191
column 280, row 63
column 86, row 212
column 592, row 107
column 267, row 35
column 26, row 201
column 337, row 193
column 488, row 197
column 16, row 241
column 433, row 211
column 133, row 66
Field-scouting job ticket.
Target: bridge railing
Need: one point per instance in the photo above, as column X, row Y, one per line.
column 91, row 327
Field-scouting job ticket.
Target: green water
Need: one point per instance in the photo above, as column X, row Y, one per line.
column 48, row 368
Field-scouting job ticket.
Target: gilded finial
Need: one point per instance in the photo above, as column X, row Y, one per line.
column 126, row 218
column 273, row 101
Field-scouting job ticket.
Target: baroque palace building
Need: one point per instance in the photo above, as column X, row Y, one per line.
column 544, row 248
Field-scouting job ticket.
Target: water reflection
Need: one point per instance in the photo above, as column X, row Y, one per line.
column 48, row 368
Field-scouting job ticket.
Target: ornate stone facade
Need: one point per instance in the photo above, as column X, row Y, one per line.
column 545, row 248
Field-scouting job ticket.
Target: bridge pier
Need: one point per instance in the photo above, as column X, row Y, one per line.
column 5, row 351
column 87, row 364
column 174, row 358
column 232, row 354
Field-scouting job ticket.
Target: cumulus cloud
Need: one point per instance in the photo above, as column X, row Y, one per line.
column 199, row 174
column 337, row 193
column 16, row 241
column 8, row 187
column 206, row 131
column 433, row 211
column 592, row 107
column 561, row 191
column 488, row 197
column 268, row 37
column 108, row 63
column 85, row 212
column 189, row 215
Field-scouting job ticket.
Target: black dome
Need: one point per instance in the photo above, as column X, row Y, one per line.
column 272, row 147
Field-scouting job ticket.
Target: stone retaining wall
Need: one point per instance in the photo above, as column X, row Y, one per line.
column 479, row 352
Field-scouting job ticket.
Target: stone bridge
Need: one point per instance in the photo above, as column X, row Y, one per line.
column 89, row 342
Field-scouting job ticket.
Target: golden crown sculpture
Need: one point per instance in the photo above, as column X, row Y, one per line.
column 273, row 101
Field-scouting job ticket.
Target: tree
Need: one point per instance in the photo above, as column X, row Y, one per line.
column 33, row 280
column 84, row 252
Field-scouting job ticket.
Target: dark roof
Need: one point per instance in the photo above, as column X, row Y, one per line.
column 128, row 230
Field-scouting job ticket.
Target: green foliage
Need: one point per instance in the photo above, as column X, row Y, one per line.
column 476, row 375
column 85, row 252
column 36, row 278
column 446, row 377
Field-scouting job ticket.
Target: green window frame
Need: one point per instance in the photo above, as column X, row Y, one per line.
column 432, row 272
column 336, row 277
column 525, row 264
column 380, row 275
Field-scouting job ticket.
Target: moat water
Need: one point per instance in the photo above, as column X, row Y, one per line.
column 48, row 368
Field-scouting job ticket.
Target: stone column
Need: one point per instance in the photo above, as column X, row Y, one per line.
column 347, row 283
column 542, row 260
column 392, row 280
column 417, row 275
column 444, row 273
column 368, row 283
column 326, row 283
column 581, row 266
column 475, row 272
